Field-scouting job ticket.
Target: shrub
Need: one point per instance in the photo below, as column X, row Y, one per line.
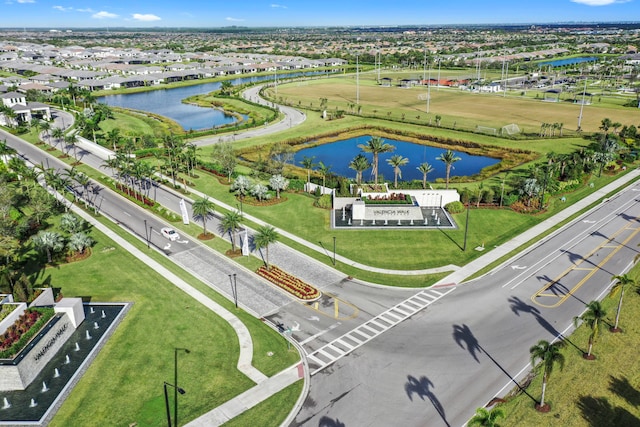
column 454, row 207
column 323, row 202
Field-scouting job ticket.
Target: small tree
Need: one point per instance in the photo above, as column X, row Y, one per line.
column 241, row 185
column 593, row 317
column 203, row 209
column 486, row 417
column 260, row 192
column 622, row 282
column 396, row 161
column 229, row 224
column 49, row 242
column 448, row 158
column 278, row 183
column 264, row 237
column 425, row 168
column 78, row 242
column 549, row 354
column 308, row 164
column 360, row 163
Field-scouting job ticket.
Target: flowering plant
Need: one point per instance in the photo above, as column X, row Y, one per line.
column 289, row 283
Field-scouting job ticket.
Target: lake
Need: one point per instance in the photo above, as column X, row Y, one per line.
column 339, row 154
column 569, row 61
column 168, row 102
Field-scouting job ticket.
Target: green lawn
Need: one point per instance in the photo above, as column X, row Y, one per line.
column 124, row 383
column 603, row 392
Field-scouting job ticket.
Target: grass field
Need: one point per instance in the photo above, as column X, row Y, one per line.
column 458, row 109
column 603, row 392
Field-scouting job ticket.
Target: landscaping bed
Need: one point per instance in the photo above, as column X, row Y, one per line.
column 289, row 283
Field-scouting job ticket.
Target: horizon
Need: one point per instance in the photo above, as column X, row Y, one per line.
column 33, row 14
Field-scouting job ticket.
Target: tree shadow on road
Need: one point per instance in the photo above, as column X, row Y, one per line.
column 422, row 387
column 463, row 334
column 597, row 411
column 330, row 422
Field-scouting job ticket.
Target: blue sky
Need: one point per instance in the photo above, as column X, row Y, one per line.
column 292, row 13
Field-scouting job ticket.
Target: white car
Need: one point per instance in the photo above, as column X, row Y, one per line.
column 170, row 233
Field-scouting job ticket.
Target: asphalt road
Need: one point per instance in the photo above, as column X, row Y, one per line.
column 472, row 345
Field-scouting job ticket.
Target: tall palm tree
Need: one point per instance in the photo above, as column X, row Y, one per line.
column 425, row 168
column 46, row 127
column 57, row 134
column 396, row 161
column 72, row 140
column 376, row 146
column 622, row 282
column 265, row 236
column 203, row 208
column 229, row 224
column 50, row 242
column 324, row 171
column 486, row 418
column 360, row 163
column 549, row 354
column 307, row 163
column 593, row 317
column 448, row 158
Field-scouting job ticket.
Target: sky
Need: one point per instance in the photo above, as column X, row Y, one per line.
column 302, row 13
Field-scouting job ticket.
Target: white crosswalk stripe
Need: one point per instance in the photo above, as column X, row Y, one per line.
column 357, row 337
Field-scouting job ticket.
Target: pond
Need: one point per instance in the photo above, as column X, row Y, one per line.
column 168, row 102
column 569, row 61
column 339, row 154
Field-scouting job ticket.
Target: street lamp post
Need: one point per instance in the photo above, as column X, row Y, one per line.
column 234, row 288
column 466, row 229
column 166, row 399
column 146, row 234
column 175, row 382
column 334, row 251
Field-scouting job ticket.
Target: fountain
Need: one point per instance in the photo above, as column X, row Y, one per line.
column 91, row 310
column 385, row 222
column 95, row 325
column 56, row 373
column 426, row 221
column 399, row 222
column 349, row 222
column 438, row 222
column 343, row 214
column 411, row 222
column 44, row 387
column 5, row 403
column 33, row 403
column 77, row 347
column 362, row 222
column 433, row 212
column 88, row 335
column 373, row 222
column 103, row 315
column 67, row 360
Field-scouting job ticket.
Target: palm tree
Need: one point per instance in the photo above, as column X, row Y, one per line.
column 265, row 236
column 80, row 241
column 623, row 281
column 449, row 158
column 395, row 162
column 49, row 242
column 324, row 171
column 229, row 224
column 425, row 168
column 241, row 185
column 57, row 134
column 486, row 418
column 278, row 183
column 593, row 317
column 376, row 146
column 46, row 127
column 72, row 140
column 549, row 354
column 71, row 223
column 203, row 208
column 360, row 163
column 307, row 163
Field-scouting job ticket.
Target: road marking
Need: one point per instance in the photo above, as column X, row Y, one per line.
column 313, row 318
column 296, row 327
column 126, row 213
column 518, row 267
column 564, row 296
column 335, row 308
column 167, row 246
column 342, row 346
column 313, row 337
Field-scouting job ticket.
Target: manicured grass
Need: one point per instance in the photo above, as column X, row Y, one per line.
column 130, row 123
column 266, row 413
column 124, row 384
column 603, row 392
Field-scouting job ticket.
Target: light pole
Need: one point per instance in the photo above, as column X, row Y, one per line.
column 166, row 399
column 146, row 234
column 175, row 382
column 334, row 251
column 466, row 229
column 234, row 288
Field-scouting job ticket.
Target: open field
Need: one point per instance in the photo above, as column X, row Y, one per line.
column 603, row 392
column 458, row 109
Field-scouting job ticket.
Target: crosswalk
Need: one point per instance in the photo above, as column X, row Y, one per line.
column 342, row 346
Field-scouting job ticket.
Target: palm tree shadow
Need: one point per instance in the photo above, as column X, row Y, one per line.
column 575, row 259
column 597, row 411
column 442, row 230
column 330, row 422
column 464, row 334
column 558, row 288
column 422, row 387
column 624, row 389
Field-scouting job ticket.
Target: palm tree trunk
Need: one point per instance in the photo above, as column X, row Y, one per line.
column 544, row 389
column 590, row 347
column 615, row 327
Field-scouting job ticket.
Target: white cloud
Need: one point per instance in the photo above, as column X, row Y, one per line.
column 145, row 17
column 87, row 10
column 228, row 18
column 598, row 2
column 26, row 1
column 274, row 5
column 102, row 15
column 62, row 8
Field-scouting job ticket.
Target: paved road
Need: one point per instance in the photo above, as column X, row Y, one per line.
column 468, row 347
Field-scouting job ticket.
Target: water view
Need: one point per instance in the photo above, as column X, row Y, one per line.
column 569, row 61
column 168, row 102
column 339, row 154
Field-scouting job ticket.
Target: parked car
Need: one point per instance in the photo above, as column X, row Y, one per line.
column 170, row 233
